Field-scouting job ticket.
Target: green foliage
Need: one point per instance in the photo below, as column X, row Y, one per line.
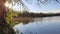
column 25, row 13
column 9, row 18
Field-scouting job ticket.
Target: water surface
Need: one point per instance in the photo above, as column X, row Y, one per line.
column 46, row 25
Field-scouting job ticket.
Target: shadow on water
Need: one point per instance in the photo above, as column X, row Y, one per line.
column 27, row 20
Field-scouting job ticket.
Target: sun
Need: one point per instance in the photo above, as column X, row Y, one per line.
column 9, row 5
column 6, row 4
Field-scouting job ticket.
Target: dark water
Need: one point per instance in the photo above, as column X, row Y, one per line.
column 47, row 25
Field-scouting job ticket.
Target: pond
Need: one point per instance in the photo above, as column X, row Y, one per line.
column 46, row 25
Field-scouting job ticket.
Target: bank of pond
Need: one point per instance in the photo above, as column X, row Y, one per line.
column 25, row 18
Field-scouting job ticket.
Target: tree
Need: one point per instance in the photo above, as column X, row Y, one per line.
column 4, row 27
column 25, row 13
column 18, row 2
column 38, row 2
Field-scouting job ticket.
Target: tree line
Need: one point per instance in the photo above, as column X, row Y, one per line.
column 34, row 15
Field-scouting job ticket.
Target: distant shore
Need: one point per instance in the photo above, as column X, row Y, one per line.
column 36, row 15
column 26, row 19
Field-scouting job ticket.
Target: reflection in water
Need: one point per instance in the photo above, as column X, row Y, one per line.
column 47, row 25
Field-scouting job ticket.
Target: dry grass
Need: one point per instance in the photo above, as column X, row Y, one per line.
column 22, row 19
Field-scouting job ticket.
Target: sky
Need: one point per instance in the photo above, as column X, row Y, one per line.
column 49, row 7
